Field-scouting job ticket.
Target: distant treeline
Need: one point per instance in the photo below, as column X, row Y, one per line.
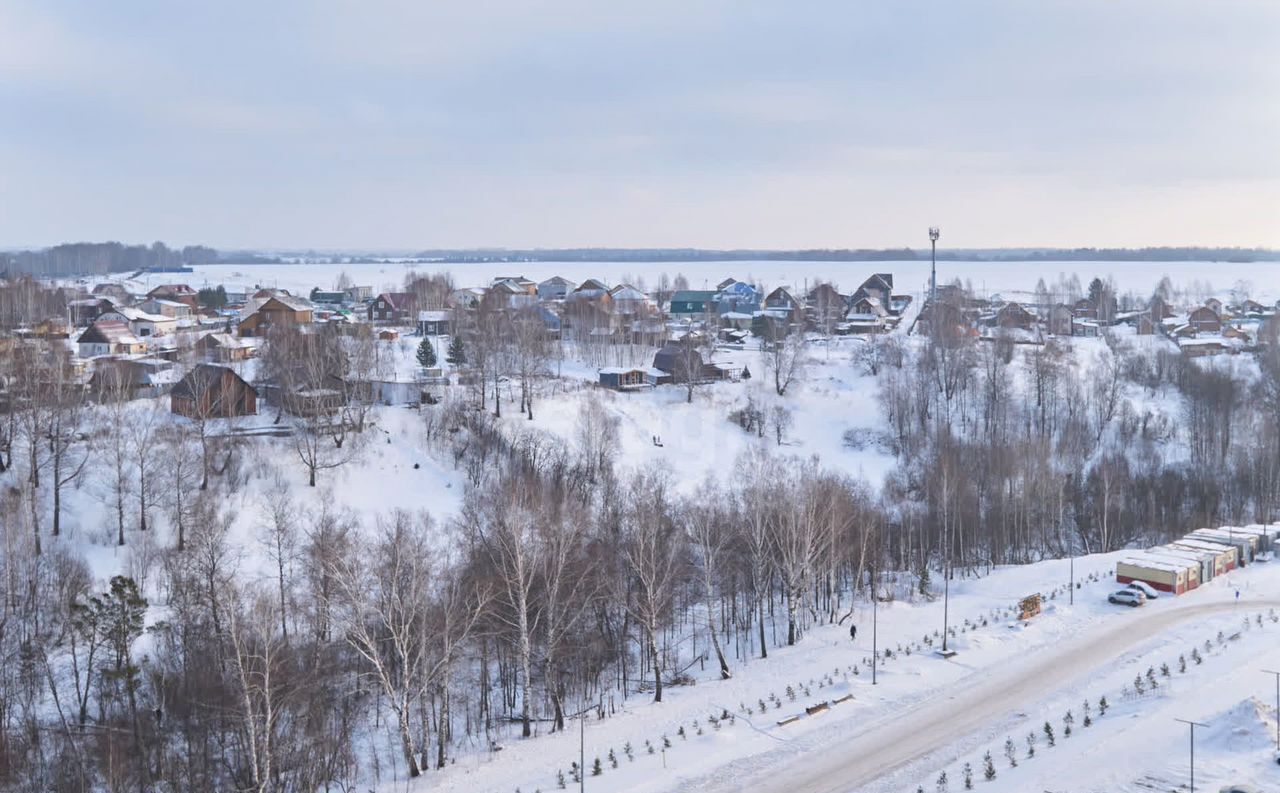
column 97, row 258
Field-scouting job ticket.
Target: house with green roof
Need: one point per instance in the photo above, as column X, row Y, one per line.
column 690, row 303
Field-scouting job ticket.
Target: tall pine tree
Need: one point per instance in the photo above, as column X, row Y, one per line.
column 426, row 354
column 456, row 355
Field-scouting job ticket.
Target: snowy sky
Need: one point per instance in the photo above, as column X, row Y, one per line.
column 715, row 123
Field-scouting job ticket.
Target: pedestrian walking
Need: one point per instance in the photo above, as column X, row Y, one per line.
column 853, row 633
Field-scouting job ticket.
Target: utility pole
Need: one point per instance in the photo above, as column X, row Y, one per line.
column 946, row 594
column 933, row 264
column 582, row 752
column 875, row 600
column 1277, row 675
column 1192, row 725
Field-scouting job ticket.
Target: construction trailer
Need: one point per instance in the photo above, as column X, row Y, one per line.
column 1268, row 535
column 1207, row 560
column 1193, row 563
column 1224, row 555
column 1166, row 576
column 1246, row 543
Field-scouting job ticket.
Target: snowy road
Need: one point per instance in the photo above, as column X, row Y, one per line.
column 881, row 747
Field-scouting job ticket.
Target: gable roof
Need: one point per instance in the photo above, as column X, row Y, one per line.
column 693, row 296
column 205, row 373
column 222, row 339
column 108, row 332
column 172, row 289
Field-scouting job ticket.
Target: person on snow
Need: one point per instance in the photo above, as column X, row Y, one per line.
column 853, row 632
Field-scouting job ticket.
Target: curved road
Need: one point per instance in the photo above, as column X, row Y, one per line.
column 884, row 746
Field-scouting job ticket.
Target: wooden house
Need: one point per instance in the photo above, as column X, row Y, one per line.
column 223, row 348
column 435, row 323
column 625, row 379
column 692, row 304
column 879, row 286
column 114, row 292
column 163, row 307
column 555, row 288
column 1084, row 308
column 1058, row 320
column 178, row 293
column 278, row 309
column 392, row 307
column 1205, row 320
column 210, row 391
column 109, row 338
column 1013, row 315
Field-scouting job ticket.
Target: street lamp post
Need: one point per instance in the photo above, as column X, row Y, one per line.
column 1277, row 675
column 933, row 263
column 946, row 595
column 875, row 601
column 1192, row 725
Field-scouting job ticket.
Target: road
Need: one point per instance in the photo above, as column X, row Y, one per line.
column 882, row 747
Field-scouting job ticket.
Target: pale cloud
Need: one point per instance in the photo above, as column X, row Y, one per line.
column 398, row 123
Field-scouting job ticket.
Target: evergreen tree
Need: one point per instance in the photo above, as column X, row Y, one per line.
column 968, row 777
column 1048, row 734
column 426, row 354
column 596, row 768
column 1010, row 753
column 456, row 355
column 1102, row 706
column 988, row 767
column 942, row 782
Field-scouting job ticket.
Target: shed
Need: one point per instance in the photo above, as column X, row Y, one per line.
column 625, row 378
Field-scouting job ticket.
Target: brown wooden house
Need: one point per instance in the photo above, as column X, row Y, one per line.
column 277, row 310
column 210, row 391
column 1205, row 320
column 178, row 293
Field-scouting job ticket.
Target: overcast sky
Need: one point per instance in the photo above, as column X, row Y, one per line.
column 793, row 123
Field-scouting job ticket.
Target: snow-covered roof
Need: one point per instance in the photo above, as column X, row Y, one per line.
column 435, row 316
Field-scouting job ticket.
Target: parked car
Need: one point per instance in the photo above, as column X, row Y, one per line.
column 1144, row 588
column 1128, row 597
column 1238, row 789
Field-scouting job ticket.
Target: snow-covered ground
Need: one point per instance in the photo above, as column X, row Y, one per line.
column 927, row 714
